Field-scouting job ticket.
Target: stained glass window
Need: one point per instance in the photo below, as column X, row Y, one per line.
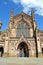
column 22, row 28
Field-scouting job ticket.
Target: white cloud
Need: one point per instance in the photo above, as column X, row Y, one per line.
column 28, row 4
column 16, row 1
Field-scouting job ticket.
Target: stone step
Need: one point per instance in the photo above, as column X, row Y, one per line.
column 21, row 61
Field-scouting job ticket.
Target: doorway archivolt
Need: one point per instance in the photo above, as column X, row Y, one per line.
column 23, row 50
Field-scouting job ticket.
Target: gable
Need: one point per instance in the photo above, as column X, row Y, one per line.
column 21, row 17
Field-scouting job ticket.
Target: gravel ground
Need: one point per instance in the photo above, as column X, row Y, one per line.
column 21, row 61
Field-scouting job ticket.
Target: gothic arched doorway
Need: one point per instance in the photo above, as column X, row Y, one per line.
column 1, row 51
column 23, row 50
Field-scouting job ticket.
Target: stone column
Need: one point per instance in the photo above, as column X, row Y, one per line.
column 6, row 47
column 31, row 32
column 13, row 31
column 39, row 46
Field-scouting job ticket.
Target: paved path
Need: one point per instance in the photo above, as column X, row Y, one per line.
column 21, row 61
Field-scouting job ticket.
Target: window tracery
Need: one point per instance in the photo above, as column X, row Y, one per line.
column 22, row 28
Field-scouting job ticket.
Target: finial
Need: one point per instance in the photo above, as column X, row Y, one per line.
column 0, row 24
column 12, row 12
column 12, row 15
column 32, row 12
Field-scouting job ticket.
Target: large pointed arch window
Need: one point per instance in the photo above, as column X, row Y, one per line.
column 22, row 28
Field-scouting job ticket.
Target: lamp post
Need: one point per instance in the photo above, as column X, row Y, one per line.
column 0, row 27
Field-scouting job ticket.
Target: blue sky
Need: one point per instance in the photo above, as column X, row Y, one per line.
column 21, row 5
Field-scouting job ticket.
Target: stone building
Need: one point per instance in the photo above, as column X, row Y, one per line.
column 22, row 38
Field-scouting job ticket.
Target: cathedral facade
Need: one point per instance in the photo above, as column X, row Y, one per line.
column 22, row 38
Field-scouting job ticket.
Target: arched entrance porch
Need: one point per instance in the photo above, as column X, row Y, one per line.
column 23, row 50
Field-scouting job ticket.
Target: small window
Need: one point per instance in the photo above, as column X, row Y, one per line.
column 42, row 50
